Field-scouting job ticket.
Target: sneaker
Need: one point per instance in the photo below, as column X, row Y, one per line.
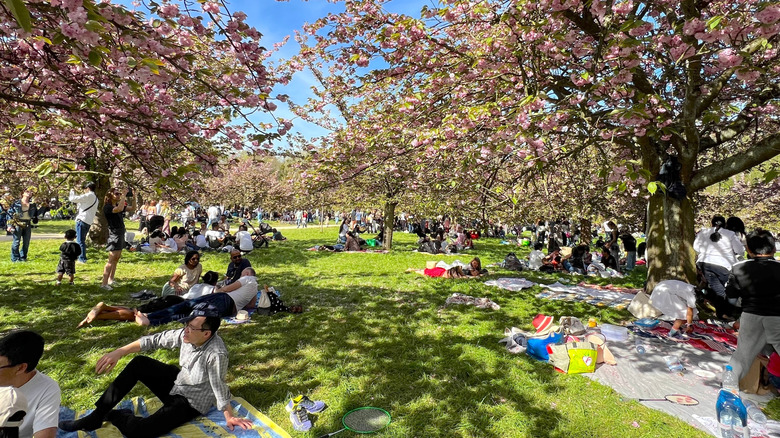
column 57, row 282
column 311, row 407
column 106, row 287
column 300, row 418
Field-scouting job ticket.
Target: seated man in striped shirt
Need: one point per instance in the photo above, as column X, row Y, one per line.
column 186, row 393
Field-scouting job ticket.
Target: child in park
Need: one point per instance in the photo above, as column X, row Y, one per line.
column 69, row 252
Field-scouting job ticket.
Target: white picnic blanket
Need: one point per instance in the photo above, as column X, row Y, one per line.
column 588, row 291
column 511, row 283
column 646, row 376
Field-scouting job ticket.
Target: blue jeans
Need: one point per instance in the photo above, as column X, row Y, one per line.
column 221, row 301
column 82, row 230
column 21, row 236
column 630, row 260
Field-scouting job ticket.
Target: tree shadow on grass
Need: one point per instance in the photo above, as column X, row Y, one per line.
column 381, row 356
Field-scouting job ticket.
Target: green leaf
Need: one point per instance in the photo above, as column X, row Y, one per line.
column 91, row 91
column 94, row 26
column 772, row 174
column 652, row 187
column 713, row 22
column 73, row 59
column 20, row 12
column 44, row 39
column 95, row 58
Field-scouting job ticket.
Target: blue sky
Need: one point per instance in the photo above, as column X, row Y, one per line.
column 278, row 19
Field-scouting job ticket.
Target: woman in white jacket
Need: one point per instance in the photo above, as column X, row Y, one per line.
column 718, row 250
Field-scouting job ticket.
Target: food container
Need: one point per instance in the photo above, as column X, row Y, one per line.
column 614, row 332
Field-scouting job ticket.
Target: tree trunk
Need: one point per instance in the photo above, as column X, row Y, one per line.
column 586, row 226
column 387, row 223
column 98, row 233
column 670, row 234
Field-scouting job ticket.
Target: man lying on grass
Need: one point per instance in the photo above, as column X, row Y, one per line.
column 186, row 393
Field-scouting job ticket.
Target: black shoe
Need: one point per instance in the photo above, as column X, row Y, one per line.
column 89, row 423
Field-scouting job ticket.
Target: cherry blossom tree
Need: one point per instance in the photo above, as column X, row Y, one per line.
column 636, row 82
column 95, row 89
column 250, row 182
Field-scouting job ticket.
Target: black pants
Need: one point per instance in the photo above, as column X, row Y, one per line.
column 159, row 378
column 717, row 276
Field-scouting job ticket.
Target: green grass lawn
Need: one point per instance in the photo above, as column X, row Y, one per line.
column 370, row 335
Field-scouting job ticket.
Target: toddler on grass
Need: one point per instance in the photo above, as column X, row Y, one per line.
column 69, row 252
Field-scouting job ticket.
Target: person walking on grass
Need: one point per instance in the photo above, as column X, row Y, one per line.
column 87, row 203
column 186, row 392
column 69, row 252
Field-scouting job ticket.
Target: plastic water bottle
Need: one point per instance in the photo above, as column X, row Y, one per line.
column 640, row 346
column 754, row 412
column 729, row 381
column 726, row 420
column 730, row 410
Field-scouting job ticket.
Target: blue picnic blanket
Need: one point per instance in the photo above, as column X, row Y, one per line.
column 210, row 425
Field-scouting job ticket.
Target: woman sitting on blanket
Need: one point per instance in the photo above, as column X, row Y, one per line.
column 353, row 242
column 184, row 276
column 474, row 269
column 104, row 311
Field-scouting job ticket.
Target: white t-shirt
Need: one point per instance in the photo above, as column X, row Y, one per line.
column 87, row 204
column 672, row 298
column 246, row 293
column 723, row 253
column 214, row 235
column 244, row 241
column 200, row 241
column 535, row 260
column 213, row 212
column 43, row 404
column 198, row 290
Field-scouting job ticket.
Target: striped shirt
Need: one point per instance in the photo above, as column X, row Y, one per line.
column 203, row 369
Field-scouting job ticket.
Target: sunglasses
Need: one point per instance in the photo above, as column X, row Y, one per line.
column 236, row 257
column 7, row 366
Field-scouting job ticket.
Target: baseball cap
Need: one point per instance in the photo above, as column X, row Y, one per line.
column 13, row 407
column 201, row 309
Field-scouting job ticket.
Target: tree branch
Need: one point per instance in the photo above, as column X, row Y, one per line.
column 764, row 150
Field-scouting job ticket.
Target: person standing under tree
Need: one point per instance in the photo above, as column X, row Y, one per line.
column 87, row 203
column 69, row 252
column 20, row 218
column 114, row 208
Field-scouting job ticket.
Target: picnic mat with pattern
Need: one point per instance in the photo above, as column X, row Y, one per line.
column 210, row 425
column 705, row 336
column 602, row 296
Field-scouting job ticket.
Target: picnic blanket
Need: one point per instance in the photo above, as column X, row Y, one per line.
column 510, row 283
column 705, row 336
column 481, row 303
column 210, row 425
column 647, row 376
column 596, row 295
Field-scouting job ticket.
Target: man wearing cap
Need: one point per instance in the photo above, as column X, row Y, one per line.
column 20, row 352
column 88, row 205
column 186, row 393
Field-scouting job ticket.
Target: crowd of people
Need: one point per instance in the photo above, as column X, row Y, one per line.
column 738, row 278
